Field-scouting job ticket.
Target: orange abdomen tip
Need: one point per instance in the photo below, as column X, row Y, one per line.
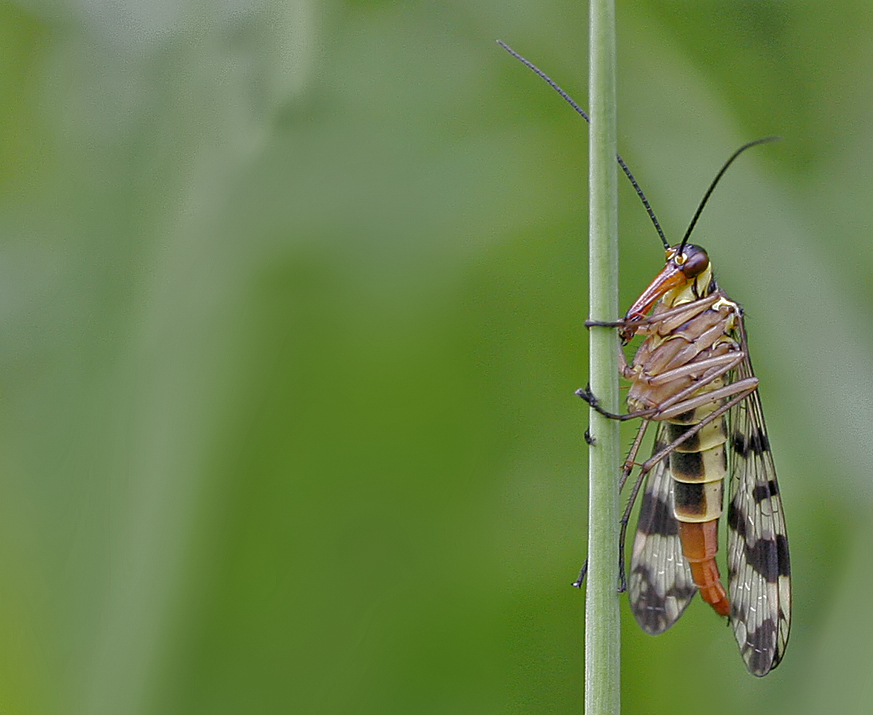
column 699, row 546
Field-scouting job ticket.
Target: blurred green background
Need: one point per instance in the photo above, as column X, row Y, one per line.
column 291, row 305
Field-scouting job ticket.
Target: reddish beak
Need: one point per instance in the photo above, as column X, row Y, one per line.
column 670, row 277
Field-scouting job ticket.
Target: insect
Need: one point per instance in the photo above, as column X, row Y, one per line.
column 692, row 376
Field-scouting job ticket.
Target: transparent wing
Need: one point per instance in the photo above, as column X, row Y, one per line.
column 759, row 572
column 660, row 585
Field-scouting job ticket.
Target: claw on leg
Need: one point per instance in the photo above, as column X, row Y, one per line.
column 579, row 579
column 622, row 586
column 586, row 394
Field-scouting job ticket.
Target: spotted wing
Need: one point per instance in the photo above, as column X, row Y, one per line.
column 660, row 585
column 759, row 572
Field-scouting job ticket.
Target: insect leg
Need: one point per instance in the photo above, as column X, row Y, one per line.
column 679, row 403
column 622, row 323
column 667, row 321
column 694, row 429
column 738, row 396
column 728, row 359
column 628, row 466
column 683, row 312
column 625, row 517
column 586, row 394
column 661, row 411
column 745, row 386
column 688, row 399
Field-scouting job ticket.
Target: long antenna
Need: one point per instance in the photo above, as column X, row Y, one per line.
column 714, row 182
column 567, row 98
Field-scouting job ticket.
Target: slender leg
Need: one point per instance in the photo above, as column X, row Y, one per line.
column 685, row 399
column 693, row 430
column 682, row 313
column 628, row 466
column 625, row 518
column 647, row 466
column 586, row 394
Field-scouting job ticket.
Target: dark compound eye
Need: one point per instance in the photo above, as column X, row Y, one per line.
column 693, row 261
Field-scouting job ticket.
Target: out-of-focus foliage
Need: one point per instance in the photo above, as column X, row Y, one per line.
column 291, row 304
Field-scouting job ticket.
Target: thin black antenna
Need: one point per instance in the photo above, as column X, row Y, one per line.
column 567, row 98
column 715, row 181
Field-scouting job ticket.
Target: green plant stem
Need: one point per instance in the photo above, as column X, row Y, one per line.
column 602, row 624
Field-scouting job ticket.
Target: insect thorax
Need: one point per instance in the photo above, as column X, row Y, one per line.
column 664, row 364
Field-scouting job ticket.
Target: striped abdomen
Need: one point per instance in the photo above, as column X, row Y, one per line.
column 698, row 467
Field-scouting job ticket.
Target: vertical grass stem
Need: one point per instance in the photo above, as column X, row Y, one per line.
column 602, row 624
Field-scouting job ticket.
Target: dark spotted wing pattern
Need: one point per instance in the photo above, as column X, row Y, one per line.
column 759, row 573
column 660, row 585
